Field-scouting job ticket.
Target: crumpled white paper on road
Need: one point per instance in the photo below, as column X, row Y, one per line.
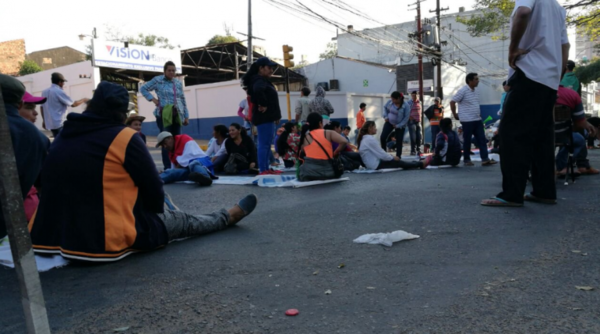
column 386, row 239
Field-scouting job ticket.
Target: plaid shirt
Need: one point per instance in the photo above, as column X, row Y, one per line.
column 166, row 95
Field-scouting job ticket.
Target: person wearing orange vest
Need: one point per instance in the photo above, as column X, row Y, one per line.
column 316, row 149
column 435, row 113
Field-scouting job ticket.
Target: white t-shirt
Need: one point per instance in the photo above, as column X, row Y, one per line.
column 468, row 104
column 371, row 152
column 544, row 37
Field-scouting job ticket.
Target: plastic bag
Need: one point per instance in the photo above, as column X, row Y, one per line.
column 386, row 239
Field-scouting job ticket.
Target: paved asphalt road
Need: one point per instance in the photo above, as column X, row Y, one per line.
column 474, row 269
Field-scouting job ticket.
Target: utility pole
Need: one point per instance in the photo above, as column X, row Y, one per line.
column 420, row 57
column 250, row 51
column 438, row 10
column 11, row 201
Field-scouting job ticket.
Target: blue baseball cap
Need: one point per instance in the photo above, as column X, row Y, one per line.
column 264, row 61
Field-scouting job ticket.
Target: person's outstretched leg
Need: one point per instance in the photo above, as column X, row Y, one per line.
column 199, row 174
column 174, row 175
column 183, row 225
column 400, row 164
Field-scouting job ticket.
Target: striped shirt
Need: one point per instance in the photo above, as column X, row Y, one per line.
column 468, row 104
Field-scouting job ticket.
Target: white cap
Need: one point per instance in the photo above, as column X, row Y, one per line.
column 162, row 136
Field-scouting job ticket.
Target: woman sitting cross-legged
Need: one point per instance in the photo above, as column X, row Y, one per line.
column 316, row 150
column 374, row 157
column 238, row 153
column 287, row 144
column 220, row 133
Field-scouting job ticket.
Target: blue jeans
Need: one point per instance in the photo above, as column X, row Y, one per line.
column 414, row 130
column 181, row 174
column 175, row 130
column 435, row 129
column 579, row 152
column 266, row 133
column 474, row 128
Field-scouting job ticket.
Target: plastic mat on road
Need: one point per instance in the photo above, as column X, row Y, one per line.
column 44, row 263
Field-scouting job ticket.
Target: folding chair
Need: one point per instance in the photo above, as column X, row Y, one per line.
column 562, row 114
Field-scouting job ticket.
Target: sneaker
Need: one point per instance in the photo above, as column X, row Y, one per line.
column 201, row 179
column 489, row 162
column 469, row 164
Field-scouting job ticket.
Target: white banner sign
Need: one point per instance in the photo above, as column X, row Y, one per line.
column 414, row 85
column 134, row 57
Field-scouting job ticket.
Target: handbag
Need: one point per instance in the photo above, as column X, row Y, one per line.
column 336, row 163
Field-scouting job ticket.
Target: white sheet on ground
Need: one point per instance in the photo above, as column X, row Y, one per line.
column 375, row 171
column 438, row 167
column 44, row 263
column 270, row 181
column 386, row 239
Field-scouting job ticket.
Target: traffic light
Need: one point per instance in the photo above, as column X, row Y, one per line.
column 287, row 56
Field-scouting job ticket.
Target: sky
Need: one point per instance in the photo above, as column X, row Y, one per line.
column 51, row 24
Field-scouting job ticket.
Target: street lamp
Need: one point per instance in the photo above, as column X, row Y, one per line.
column 93, row 35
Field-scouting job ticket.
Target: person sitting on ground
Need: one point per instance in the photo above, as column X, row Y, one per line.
column 103, row 198
column 349, row 156
column 188, row 160
column 374, row 157
column 238, row 153
column 287, row 144
column 346, row 132
column 316, row 150
column 135, row 122
column 220, row 133
column 570, row 98
column 447, row 148
column 28, row 112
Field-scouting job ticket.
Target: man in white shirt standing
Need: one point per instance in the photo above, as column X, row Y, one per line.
column 470, row 119
column 537, row 56
column 57, row 102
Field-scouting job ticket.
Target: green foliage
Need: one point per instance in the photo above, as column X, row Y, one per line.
column 330, row 52
column 221, row 39
column 29, row 67
column 495, row 17
column 493, row 20
column 588, row 73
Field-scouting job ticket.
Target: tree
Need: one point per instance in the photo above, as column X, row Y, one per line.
column 221, row 39
column 29, row 67
column 494, row 17
column 589, row 73
column 330, row 52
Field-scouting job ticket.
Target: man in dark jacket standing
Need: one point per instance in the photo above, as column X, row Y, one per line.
column 102, row 196
column 29, row 144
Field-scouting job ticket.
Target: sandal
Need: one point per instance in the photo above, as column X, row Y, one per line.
column 531, row 198
column 495, row 201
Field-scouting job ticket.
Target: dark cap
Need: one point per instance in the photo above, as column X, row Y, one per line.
column 12, row 89
column 264, row 61
column 56, row 77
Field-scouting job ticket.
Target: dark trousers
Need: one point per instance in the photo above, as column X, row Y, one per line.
column 527, row 135
column 399, row 164
column 175, row 130
column 399, row 141
column 435, row 129
column 414, row 129
column 474, row 129
column 387, row 129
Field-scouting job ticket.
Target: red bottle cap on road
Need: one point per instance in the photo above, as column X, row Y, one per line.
column 292, row 312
